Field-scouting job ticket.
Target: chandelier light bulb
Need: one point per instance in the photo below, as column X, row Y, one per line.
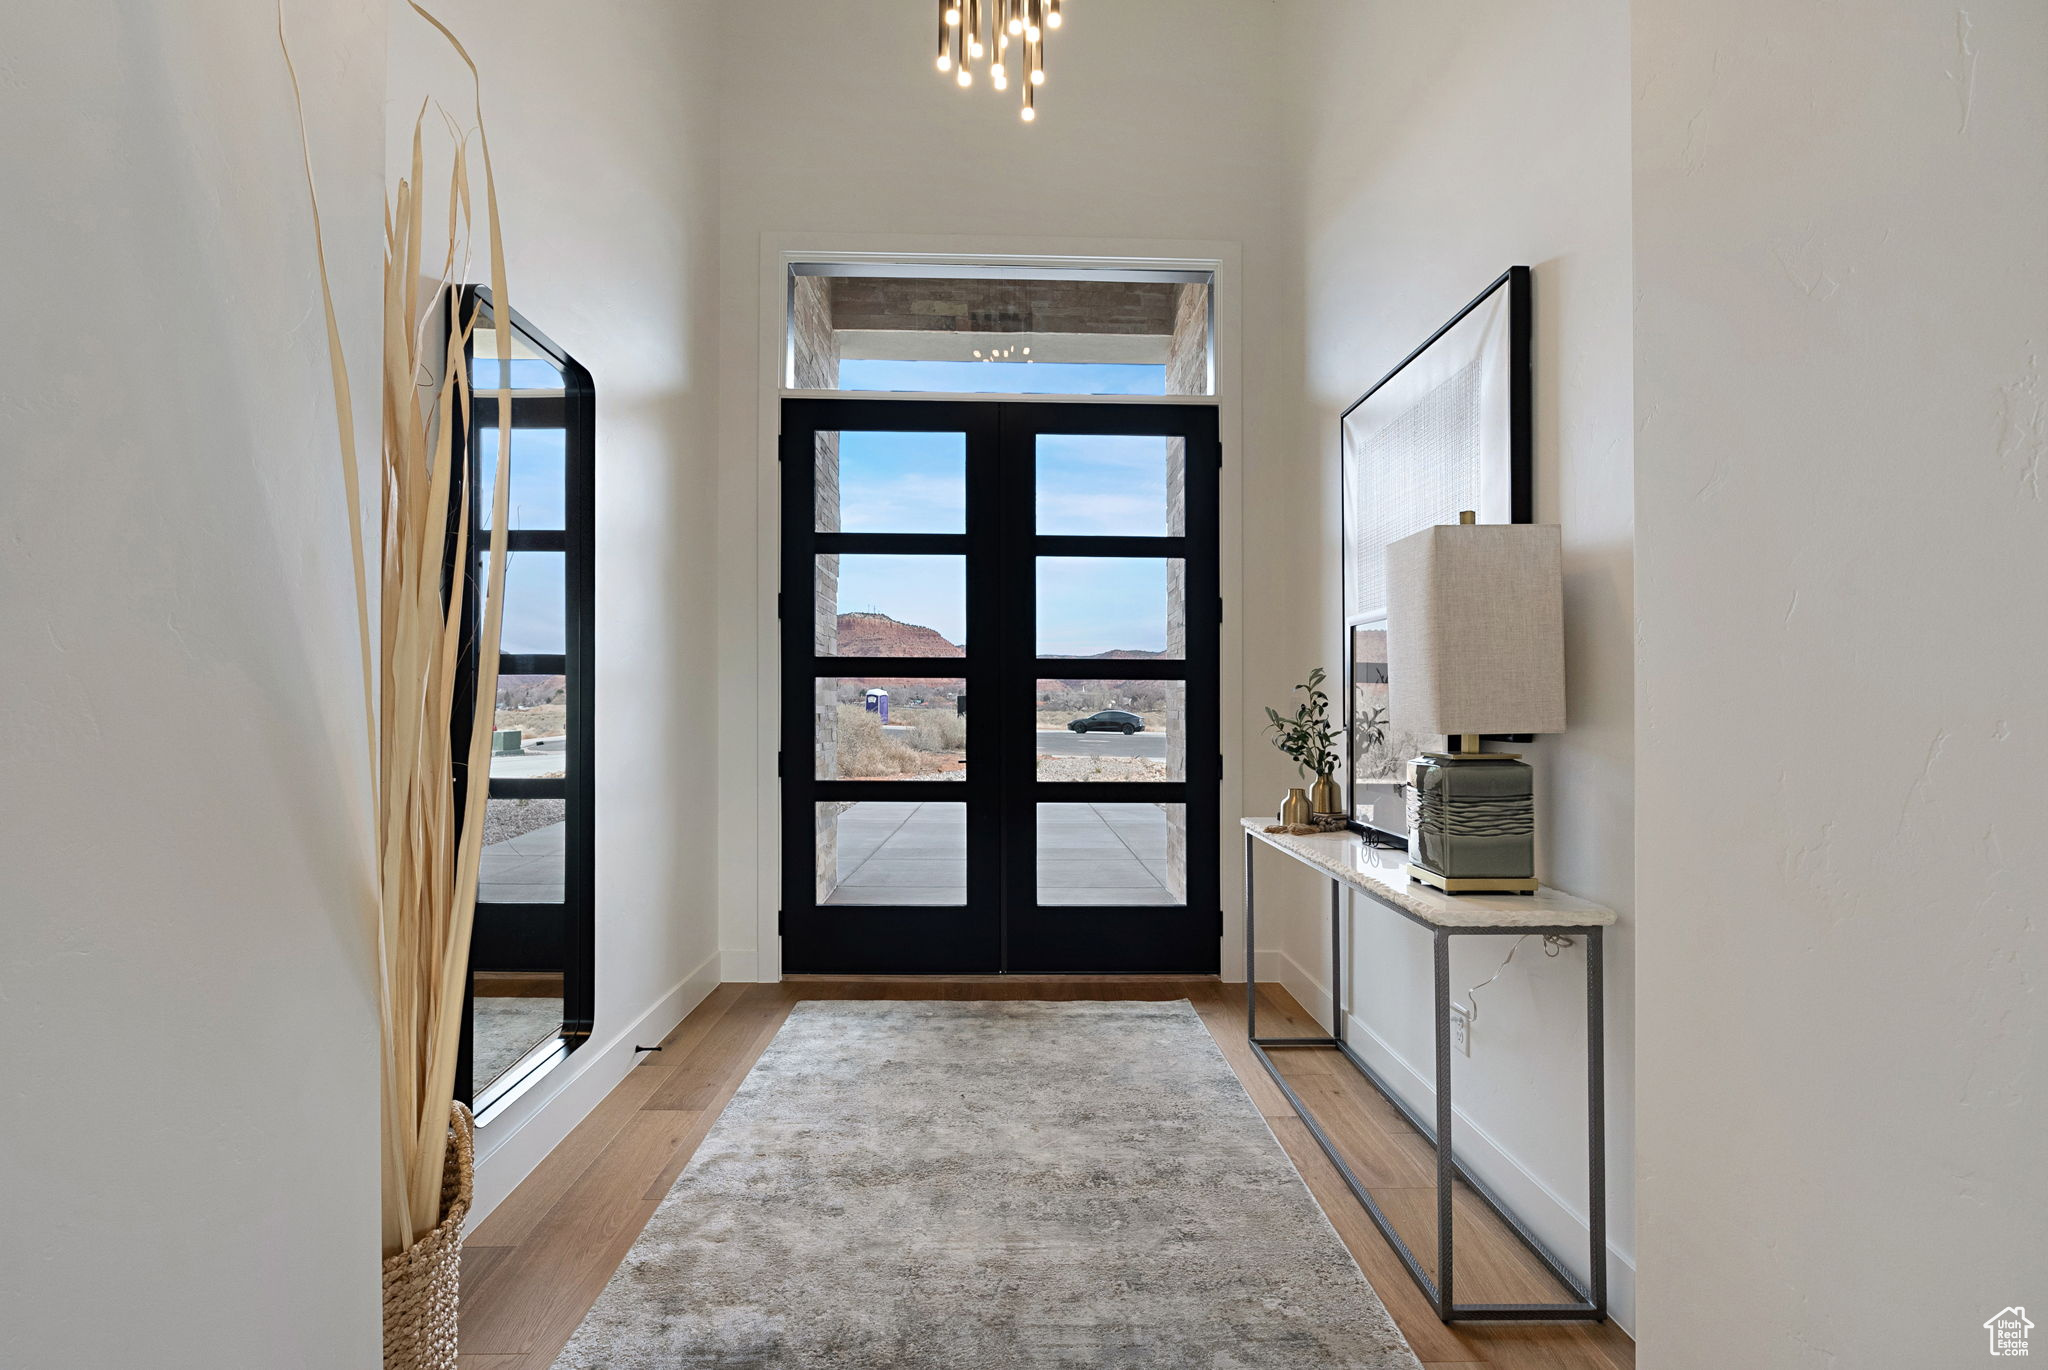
column 969, row 29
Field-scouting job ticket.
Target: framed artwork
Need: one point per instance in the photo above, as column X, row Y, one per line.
column 1448, row 429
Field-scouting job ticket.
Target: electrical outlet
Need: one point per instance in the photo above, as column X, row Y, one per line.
column 1461, row 1030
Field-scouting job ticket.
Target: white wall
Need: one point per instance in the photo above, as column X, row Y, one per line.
column 603, row 126
column 1843, row 540
column 838, row 134
column 188, row 1147
column 1435, row 146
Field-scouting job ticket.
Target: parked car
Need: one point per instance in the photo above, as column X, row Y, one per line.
column 1109, row 721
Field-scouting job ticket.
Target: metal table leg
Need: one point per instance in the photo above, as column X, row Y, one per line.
column 1590, row 1297
column 1251, row 970
column 1441, row 950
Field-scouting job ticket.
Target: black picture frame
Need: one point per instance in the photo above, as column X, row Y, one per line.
column 1451, row 427
column 516, row 937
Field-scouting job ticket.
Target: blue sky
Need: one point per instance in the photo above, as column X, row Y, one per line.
column 1005, row 378
column 537, row 464
column 534, row 602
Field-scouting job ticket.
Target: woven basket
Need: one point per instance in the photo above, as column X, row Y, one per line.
column 422, row 1281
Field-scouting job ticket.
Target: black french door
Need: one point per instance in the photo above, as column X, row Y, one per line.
column 999, row 740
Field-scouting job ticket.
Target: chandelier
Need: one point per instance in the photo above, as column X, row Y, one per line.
column 970, row 30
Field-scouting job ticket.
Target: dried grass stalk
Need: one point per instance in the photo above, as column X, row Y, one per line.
column 427, row 851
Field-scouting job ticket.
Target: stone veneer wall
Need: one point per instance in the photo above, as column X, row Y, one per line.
column 917, row 305
column 817, row 368
column 1187, row 373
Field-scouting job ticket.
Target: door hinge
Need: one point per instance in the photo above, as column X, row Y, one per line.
column 778, row 765
column 780, row 917
column 1219, row 608
column 1219, row 765
column 778, row 606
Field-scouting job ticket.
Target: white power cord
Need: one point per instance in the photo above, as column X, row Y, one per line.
column 1552, row 945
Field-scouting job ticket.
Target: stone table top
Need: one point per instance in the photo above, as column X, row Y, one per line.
column 1382, row 874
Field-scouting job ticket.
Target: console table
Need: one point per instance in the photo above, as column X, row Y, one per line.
column 1379, row 874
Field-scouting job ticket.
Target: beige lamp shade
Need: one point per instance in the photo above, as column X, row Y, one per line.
column 1475, row 629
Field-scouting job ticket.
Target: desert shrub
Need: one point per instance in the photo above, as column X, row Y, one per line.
column 939, row 731
column 865, row 750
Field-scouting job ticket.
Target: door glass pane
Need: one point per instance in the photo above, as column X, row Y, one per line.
column 530, row 733
column 525, row 846
column 870, row 729
column 1137, row 332
column 1128, row 607
column 1099, row 730
column 1111, row 486
column 892, row 482
column 888, row 853
column 512, row 1013
column 870, row 605
column 1112, row 854
column 539, row 492
column 536, row 603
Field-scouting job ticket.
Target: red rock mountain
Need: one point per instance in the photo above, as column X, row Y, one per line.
column 879, row 635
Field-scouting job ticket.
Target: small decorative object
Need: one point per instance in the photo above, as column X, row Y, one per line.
column 1476, row 645
column 1294, row 810
column 1450, row 428
column 1309, row 740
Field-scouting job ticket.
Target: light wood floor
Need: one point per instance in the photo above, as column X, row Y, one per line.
column 533, row 1268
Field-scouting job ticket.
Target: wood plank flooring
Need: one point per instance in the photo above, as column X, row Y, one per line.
column 532, row 1269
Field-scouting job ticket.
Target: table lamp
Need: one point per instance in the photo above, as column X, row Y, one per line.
column 1475, row 644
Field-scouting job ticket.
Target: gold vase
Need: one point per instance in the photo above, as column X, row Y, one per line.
column 1324, row 797
column 1294, row 810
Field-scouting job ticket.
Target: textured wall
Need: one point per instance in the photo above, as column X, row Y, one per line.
column 1438, row 145
column 603, row 134
column 1842, row 544
column 188, row 1138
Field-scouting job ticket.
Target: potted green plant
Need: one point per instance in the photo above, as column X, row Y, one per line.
column 1309, row 739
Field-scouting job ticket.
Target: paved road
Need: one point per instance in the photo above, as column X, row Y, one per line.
column 1060, row 742
column 540, row 756
column 1064, row 743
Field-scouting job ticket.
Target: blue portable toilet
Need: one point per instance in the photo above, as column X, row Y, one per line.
column 878, row 703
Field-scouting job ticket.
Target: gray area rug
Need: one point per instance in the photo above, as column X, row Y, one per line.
column 504, row 1029
column 989, row 1186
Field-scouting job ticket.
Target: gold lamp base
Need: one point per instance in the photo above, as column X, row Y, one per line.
column 1451, row 884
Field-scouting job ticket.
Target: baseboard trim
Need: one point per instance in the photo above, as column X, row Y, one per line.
column 508, row 1149
column 742, row 965
column 1542, row 1209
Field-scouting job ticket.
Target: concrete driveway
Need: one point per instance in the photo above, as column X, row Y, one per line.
column 916, row 853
